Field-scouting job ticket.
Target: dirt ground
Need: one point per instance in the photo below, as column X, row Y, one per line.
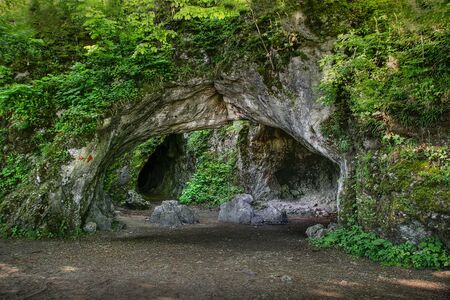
column 204, row 261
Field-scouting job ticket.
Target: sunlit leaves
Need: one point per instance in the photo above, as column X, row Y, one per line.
column 396, row 66
column 209, row 9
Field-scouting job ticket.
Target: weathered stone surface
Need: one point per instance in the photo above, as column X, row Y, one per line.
column 316, row 231
column 238, row 211
column 183, row 107
column 241, row 211
column 124, row 175
column 90, row 227
column 135, row 201
column 171, row 213
column 279, row 171
column 412, row 232
column 270, row 215
column 21, row 77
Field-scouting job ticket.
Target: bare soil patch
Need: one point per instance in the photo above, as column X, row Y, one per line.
column 204, row 261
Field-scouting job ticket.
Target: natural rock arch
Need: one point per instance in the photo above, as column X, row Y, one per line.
column 187, row 107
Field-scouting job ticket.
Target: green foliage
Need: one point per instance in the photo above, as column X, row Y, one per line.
column 212, row 182
column 39, row 233
column 209, row 9
column 14, row 171
column 393, row 67
column 422, row 185
column 197, row 143
column 430, row 253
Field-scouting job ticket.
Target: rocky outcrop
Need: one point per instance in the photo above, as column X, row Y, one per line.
column 171, row 214
column 77, row 195
column 241, row 211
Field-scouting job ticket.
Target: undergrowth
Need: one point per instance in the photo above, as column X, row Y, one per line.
column 430, row 253
column 63, row 231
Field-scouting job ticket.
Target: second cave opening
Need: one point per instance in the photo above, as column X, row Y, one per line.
column 269, row 164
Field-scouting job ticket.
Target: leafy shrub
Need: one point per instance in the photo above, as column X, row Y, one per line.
column 430, row 253
column 212, row 182
column 392, row 70
column 14, row 171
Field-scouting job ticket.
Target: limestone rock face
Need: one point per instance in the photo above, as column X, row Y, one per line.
column 241, row 211
column 171, row 214
column 77, row 194
column 413, row 232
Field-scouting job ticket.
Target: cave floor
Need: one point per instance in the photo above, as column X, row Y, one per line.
column 203, row 261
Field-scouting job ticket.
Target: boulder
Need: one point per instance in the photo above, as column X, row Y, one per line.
column 21, row 77
column 135, row 201
column 90, row 227
column 316, row 231
column 172, row 214
column 241, row 211
column 270, row 215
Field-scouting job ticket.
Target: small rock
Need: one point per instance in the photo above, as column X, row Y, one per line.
column 90, row 227
column 316, row 231
column 371, row 144
column 286, row 279
column 21, row 77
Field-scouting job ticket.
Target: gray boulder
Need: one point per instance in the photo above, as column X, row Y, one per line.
column 135, row 201
column 21, row 77
column 269, row 215
column 316, row 231
column 172, row 214
column 241, row 211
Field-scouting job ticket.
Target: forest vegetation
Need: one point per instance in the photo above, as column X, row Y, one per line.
column 66, row 65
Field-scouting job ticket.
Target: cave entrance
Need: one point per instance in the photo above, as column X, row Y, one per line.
column 280, row 171
column 163, row 175
column 269, row 164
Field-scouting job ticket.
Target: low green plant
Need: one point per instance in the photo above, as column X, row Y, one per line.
column 17, row 232
column 430, row 253
column 212, row 182
column 14, row 171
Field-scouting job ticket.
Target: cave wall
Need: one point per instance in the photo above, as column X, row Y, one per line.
column 275, row 167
